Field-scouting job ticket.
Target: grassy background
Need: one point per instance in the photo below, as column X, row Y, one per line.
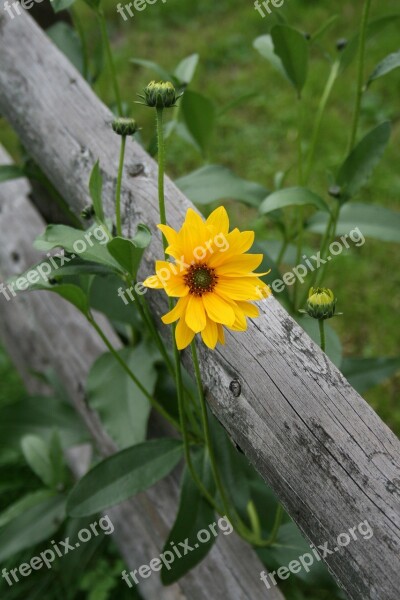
column 258, row 138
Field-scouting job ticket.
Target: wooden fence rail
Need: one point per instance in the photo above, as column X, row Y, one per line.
column 329, row 458
column 42, row 331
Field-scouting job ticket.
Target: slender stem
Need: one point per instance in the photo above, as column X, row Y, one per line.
column 318, row 121
column 282, row 251
column 276, row 525
column 81, row 32
column 111, row 65
column 321, row 324
column 254, row 519
column 250, row 536
column 119, row 184
column 161, row 170
column 299, row 208
column 123, row 364
column 360, row 76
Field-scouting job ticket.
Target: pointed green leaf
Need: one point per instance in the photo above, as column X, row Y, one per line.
column 194, row 514
column 213, row 183
column 370, row 220
column 185, row 71
column 296, row 196
column 126, row 417
column 33, row 526
column 128, row 253
column 265, row 46
column 199, row 114
column 387, row 65
column 292, row 49
column 123, row 475
column 20, row 506
column 96, row 191
column 37, row 455
column 8, row 172
column 360, row 164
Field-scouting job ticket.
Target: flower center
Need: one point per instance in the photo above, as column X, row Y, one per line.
column 200, row 279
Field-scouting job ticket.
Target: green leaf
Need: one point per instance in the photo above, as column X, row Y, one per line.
column 37, row 455
column 8, row 172
column 360, row 164
column 293, row 50
column 66, row 39
column 33, row 526
column 93, row 4
column 106, row 297
column 59, row 5
column 185, row 71
column 40, row 416
column 387, row 65
column 213, row 183
column 199, row 114
column 371, row 220
column 89, row 245
column 20, row 506
column 126, row 417
column 333, row 345
column 265, row 46
column 123, row 475
column 148, row 64
column 365, row 373
column 194, row 514
column 128, row 253
column 73, row 294
column 296, row 196
column 96, row 191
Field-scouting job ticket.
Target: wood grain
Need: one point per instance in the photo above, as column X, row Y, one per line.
column 327, row 455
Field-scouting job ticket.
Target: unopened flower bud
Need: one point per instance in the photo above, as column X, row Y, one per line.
column 321, row 303
column 88, row 212
column 341, row 44
column 124, row 126
column 160, row 94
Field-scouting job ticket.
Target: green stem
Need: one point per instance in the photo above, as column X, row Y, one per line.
column 156, row 405
column 81, row 32
column 111, row 65
column 320, row 113
column 119, row 184
column 321, row 324
column 360, row 76
column 299, row 208
column 248, row 535
column 282, row 251
column 276, row 525
column 161, row 170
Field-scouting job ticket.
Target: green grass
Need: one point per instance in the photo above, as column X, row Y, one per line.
column 258, row 138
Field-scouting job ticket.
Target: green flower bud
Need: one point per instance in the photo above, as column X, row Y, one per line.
column 321, row 303
column 124, row 126
column 160, row 95
column 88, row 212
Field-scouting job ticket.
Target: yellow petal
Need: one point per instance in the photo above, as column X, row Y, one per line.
column 218, row 309
column 177, row 312
column 210, row 334
column 194, row 236
column 183, row 335
column 195, row 315
column 218, row 221
column 153, row 282
column 250, row 310
column 221, row 334
column 241, row 288
column 238, row 265
column 171, row 279
column 238, row 242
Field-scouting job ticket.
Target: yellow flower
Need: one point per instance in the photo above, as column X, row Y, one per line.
column 211, row 275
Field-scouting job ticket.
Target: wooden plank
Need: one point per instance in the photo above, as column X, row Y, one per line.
column 327, row 455
column 41, row 330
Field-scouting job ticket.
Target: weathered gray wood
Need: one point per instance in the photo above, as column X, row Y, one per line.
column 41, row 330
column 327, row 455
